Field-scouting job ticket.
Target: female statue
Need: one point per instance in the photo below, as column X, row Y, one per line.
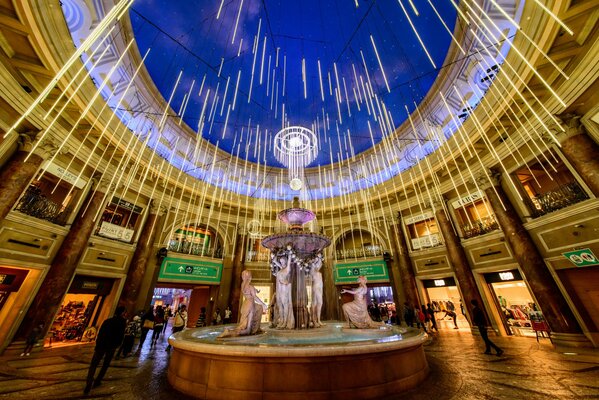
column 283, row 261
column 356, row 311
column 316, row 306
column 251, row 310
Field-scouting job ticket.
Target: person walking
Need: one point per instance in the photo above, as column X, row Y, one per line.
column 201, row 322
column 228, row 314
column 431, row 315
column 133, row 328
column 147, row 323
column 179, row 321
column 158, row 325
column 479, row 319
column 32, row 339
column 408, row 314
column 110, row 337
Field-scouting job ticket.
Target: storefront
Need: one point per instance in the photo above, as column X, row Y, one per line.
column 81, row 306
column 444, row 297
column 514, row 302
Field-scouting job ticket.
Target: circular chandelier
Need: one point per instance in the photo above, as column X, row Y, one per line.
column 295, row 147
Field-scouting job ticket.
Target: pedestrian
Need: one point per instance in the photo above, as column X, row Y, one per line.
column 32, row 339
column 431, row 315
column 180, row 321
column 201, row 322
column 216, row 318
column 408, row 314
column 158, row 325
column 147, row 323
column 167, row 315
column 109, row 337
column 132, row 330
column 421, row 317
column 479, row 319
column 228, row 314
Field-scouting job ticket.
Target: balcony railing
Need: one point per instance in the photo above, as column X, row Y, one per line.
column 563, row 196
column 360, row 252
column 195, row 249
column 480, row 227
column 37, row 205
column 257, row 256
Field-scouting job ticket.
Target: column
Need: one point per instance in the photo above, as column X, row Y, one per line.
column 555, row 309
column 331, row 308
column 17, row 173
column 141, row 258
column 48, row 299
column 459, row 261
column 405, row 266
column 238, row 264
column 580, row 149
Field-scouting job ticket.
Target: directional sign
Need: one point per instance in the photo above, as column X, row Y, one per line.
column 582, row 258
column 374, row 270
column 187, row 270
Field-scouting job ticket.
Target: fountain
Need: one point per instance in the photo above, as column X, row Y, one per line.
column 360, row 359
column 293, row 254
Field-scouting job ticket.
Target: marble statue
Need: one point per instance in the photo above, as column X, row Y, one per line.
column 283, row 261
column 356, row 311
column 316, row 306
column 251, row 310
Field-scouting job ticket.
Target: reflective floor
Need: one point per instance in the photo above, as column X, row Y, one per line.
column 459, row 370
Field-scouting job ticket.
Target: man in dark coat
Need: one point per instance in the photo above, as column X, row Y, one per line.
column 109, row 339
column 479, row 319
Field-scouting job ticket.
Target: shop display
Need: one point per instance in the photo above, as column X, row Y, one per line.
column 73, row 319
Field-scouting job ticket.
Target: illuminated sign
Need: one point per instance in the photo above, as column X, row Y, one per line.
column 439, row 282
column 506, row 276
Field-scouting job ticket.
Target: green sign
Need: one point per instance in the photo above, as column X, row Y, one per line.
column 373, row 270
column 582, row 257
column 196, row 271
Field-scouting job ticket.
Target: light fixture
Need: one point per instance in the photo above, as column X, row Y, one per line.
column 296, row 184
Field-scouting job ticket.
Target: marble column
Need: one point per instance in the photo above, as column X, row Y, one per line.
column 331, row 308
column 238, row 265
column 17, row 173
column 405, row 267
column 580, row 150
column 459, row 262
column 141, row 258
column 555, row 309
column 48, row 299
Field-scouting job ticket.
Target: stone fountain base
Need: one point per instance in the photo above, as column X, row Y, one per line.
column 325, row 364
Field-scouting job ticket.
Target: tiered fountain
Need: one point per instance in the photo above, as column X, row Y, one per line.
column 249, row 361
column 298, row 248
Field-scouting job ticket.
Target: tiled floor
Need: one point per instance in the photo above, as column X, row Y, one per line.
column 459, row 370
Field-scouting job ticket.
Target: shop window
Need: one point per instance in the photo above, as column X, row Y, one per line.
column 195, row 240
column 424, row 233
column 120, row 220
column 474, row 215
column 548, row 186
column 50, row 198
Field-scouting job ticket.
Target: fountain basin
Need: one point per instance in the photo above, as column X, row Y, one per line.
column 305, row 243
column 331, row 362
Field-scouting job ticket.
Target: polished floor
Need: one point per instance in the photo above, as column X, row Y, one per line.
column 459, row 370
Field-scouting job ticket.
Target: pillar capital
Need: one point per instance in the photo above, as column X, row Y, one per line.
column 487, row 179
column 44, row 148
column 437, row 203
column 157, row 209
column 103, row 184
column 568, row 126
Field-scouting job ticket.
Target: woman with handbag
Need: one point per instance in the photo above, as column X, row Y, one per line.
column 147, row 323
column 180, row 320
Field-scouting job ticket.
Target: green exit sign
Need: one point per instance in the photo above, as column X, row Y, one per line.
column 582, row 258
column 373, row 270
column 194, row 271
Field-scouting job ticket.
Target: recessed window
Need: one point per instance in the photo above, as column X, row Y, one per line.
column 548, row 185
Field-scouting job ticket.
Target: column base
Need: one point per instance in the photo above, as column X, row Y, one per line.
column 570, row 340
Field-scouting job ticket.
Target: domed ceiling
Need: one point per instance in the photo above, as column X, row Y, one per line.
column 233, row 73
column 336, row 67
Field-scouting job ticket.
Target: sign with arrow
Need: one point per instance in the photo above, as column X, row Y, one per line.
column 374, row 270
column 189, row 270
